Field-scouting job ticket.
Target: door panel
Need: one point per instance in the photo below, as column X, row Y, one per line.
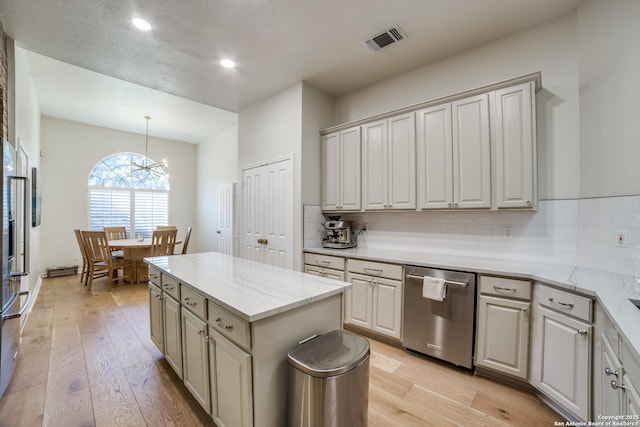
column 268, row 214
column 226, row 197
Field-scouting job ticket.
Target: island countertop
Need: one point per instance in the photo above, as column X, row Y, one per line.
column 249, row 289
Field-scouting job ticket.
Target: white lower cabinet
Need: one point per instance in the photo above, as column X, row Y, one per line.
column 503, row 335
column 631, row 404
column 196, row 361
column 502, row 328
column 172, row 334
column 612, row 401
column 230, row 382
column 156, row 323
column 562, row 345
column 374, row 302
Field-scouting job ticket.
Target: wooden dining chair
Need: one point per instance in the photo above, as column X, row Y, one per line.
column 163, row 242
column 83, row 254
column 101, row 262
column 185, row 243
column 116, row 233
column 166, row 227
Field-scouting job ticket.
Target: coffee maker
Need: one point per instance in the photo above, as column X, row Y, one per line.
column 338, row 234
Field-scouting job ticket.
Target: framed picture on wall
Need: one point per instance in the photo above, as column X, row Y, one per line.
column 36, row 197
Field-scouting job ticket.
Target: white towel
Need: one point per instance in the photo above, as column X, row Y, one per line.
column 433, row 288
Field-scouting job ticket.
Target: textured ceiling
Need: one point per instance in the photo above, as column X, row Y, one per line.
column 275, row 43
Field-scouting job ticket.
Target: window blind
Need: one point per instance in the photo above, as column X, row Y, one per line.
column 151, row 210
column 140, row 212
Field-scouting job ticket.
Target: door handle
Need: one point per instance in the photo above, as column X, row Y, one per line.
column 263, row 241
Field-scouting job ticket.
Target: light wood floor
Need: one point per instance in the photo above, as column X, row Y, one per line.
column 86, row 359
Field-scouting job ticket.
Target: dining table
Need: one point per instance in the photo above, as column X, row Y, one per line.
column 134, row 250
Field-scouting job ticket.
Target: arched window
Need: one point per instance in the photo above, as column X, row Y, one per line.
column 123, row 194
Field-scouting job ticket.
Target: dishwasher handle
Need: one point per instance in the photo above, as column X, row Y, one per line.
column 448, row 282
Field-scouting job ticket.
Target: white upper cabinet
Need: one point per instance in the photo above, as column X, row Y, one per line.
column 454, row 155
column 513, row 137
column 471, row 153
column 477, row 152
column 435, row 157
column 341, row 170
column 388, row 163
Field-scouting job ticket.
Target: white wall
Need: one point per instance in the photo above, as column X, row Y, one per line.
column 27, row 131
column 70, row 150
column 609, row 91
column 551, row 49
column 217, row 162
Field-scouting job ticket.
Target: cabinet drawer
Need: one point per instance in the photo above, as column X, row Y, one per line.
column 565, row 302
column 503, row 287
column 335, row 262
column 194, row 302
column 154, row 276
column 170, row 286
column 378, row 269
column 230, row 325
column 324, row 272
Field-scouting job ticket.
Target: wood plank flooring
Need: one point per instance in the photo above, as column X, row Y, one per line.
column 86, row 359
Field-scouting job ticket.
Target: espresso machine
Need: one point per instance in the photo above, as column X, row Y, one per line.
column 338, row 234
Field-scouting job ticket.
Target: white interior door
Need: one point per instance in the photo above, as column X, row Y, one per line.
column 268, row 213
column 226, row 197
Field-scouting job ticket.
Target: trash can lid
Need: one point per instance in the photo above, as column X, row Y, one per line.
column 331, row 354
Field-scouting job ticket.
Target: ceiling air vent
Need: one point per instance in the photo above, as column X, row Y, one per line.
column 392, row 35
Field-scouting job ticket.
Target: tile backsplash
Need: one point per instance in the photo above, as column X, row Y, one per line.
column 582, row 232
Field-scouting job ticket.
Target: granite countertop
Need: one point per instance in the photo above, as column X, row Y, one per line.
column 611, row 290
column 249, row 289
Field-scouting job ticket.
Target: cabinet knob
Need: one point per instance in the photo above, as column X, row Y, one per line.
column 615, row 385
column 263, row 241
column 608, row 372
column 583, row 332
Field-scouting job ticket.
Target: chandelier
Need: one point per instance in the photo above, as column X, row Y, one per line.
column 146, row 164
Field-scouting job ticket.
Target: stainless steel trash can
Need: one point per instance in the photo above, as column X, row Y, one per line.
column 329, row 381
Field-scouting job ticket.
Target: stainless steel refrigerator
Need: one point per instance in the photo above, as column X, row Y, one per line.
column 14, row 302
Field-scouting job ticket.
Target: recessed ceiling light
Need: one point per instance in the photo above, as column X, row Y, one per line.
column 141, row 24
column 227, row 63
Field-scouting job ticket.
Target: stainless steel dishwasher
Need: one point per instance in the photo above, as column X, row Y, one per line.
column 442, row 329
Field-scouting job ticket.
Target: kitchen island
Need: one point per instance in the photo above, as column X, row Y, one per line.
column 225, row 325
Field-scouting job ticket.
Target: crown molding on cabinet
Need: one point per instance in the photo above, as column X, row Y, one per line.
column 534, row 77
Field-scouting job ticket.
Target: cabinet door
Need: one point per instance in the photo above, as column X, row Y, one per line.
column 196, row 361
column 401, row 155
column 172, row 334
column 434, row 157
column 331, row 171
column 375, row 172
column 563, row 365
column 471, row 153
column 611, row 370
column 359, row 300
column 387, row 307
column 514, row 136
column 230, row 382
column 155, row 317
column 631, row 399
column 350, row 169
column 502, row 335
